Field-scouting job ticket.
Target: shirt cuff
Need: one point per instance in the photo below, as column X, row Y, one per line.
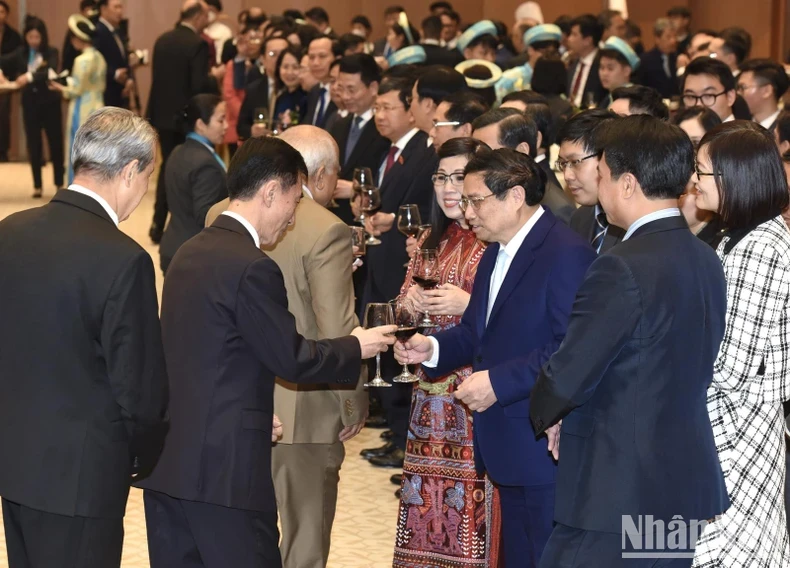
column 434, row 360
column 29, row 76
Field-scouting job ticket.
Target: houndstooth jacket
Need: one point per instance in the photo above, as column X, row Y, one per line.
column 745, row 406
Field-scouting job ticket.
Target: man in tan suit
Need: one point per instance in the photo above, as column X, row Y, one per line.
column 316, row 259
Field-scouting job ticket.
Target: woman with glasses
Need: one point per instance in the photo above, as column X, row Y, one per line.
column 461, row 528
column 739, row 175
column 706, row 225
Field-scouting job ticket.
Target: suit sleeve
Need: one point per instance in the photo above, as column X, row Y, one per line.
column 208, row 189
column 131, row 341
column 200, row 80
column 513, row 380
column 103, row 46
column 421, row 191
column 605, row 314
column 244, row 125
column 266, row 324
column 329, row 277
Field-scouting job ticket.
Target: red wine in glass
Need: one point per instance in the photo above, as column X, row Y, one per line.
column 426, row 283
column 403, row 333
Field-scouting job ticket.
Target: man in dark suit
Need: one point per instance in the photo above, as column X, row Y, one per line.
column 578, row 161
column 111, row 45
column 319, row 102
column 433, row 85
column 658, row 68
column 612, row 383
column 9, row 41
column 227, row 333
column 583, row 79
column 435, row 54
column 83, row 386
column 521, row 301
column 509, row 128
column 180, row 70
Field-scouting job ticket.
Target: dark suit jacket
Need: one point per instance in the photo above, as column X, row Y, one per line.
column 115, row 59
column 256, row 95
column 651, row 73
column 527, row 324
column 15, row 64
column 555, row 199
column 593, row 84
column 438, row 55
column 312, row 105
column 11, row 40
column 630, row 384
column 83, row 387
column 583, row 222
column 227, row 333
column 409, row 181
column 369, row 152
column 195, row 181
column 180, row 70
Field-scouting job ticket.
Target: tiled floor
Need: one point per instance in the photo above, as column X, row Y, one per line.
column 364, row 530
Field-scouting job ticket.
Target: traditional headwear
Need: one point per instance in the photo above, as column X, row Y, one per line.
column 403, row 22
column 496, row 73
column 81, row 27
column 529, row 11
column 543, row 32
column 624, row 49
column 410, row 54
column 512, row 80
column 481, row 28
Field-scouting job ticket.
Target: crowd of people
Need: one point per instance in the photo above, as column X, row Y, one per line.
column 571, row 238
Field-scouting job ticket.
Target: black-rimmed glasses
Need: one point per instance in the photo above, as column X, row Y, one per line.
column 708, row 99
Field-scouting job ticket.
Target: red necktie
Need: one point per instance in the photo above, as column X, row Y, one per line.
column 577, row 83
column 390, row 159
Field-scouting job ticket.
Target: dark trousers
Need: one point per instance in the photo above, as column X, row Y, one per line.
column 47, row 117
column 5, row 125
column 168, row 140
column 577, row 548
column 527, row 522
column 35, row 539
column 187, row 534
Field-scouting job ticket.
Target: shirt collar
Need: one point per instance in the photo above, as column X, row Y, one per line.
column 247, row 225
column 189, row 26
column 729, row 118
column 539, row 158
column 430, row 41
column 649, row 218
column 401, row 144
column 365, row 116
column 518, row 239
column 108, row 24
column 95, row 196
column 768, row 122
column 590, row 57
column 307, row 192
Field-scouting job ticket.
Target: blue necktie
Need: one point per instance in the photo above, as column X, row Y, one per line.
column 319, row 117
column 600, row 231
column 353, row 137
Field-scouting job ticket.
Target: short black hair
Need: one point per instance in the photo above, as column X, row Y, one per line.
column 527, row 97
column 453, row 15
column 517, row 129
column 589, row 27
column 583, row 127
column 84, row 4
column 629, row 146
column 307, row 33
column 440, row 5
column 362, row 21
column 464, row 107
column 293, row 14
column 37, row 24
column 199, row 107
column 415, row 34
column 397, row 9
column 346, row 42
column 550, row 77
column 402, row 84
column 437, row 82
column 432, row 27
column 642, row 100
column 679, row 12
column 605, row 18
column 317, row 14
column 269, row 38
column 769, row 72
column 504, row 169
column 712, row 67
column 564, row 23
column 540, row 114
column 748, row 171
column 260, row 160
column 214, row 4
column 493, row 116
column 361, row 64
column 707, row 118
column 738, row 42
column 486, row 40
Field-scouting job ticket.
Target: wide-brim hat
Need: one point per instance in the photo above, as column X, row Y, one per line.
column 481, row 28
column 622, row 47
column 543, row 32
column 496, row 73
column 81, row 27
column 407, row 55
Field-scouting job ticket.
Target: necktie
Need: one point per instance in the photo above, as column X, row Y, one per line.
column 353, row 137
column 600, row 231
column 496, row 280
column 577, row 83
column 117, row 37
column 319, row 116
column 665, row 60
column 390, row 159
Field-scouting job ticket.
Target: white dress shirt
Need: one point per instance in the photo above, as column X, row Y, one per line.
column 588, row 61
column 650, row 217
column 503, row 261
column 247, row 225
column 307, row 192
column 768, row 122
column 95, row 196
column 365, row 116
column 729, row 118
column 401, row 144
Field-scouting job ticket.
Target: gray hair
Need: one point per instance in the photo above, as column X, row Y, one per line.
column 661, row 25
column 317, row 147
column 109, row 140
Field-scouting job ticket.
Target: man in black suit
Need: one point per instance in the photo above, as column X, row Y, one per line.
column 180, row 70
column 111, row 45
column 509, row 128
column 435, row 54
column 658, row 68
column 433, row 85
column 578, row 161
column 83, row 386
column 319, row 103
column 637, row 441
column 404, row 177
column 9, row 41
column 583, row 79
column 227, row 333
column 455, row 115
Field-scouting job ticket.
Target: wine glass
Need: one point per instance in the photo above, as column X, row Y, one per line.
column 261, row 116
column 370, row 203
column 361, row 177
column 377, row 315
column 358, row 240
column 409, row 221
column 589, row 101
column 427, row 276
column 424, row 229
column 406, row 319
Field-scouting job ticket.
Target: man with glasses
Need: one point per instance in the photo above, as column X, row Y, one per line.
column 709, row 82
column 524, row 290
column 454, row 117
column 578, row 162
column 762, row 83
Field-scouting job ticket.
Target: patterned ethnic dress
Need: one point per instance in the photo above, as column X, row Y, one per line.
column 448, row 515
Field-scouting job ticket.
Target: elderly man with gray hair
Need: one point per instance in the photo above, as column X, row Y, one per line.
column 315, row 258
column 83, row 386
column 658, row 68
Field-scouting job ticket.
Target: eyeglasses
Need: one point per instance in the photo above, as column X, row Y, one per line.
column 456, row 179
column 561, row 164
column 740, row 89
column 377, row 108
column 708, row 99
column 475, row 201
column 699, row 173
column 439, row 123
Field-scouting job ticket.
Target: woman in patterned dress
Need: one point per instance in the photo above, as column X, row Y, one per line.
column 448, row 516
column 740, row 176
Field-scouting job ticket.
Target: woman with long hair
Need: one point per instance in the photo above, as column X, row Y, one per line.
column 448, row 512
column 739, row 175
column 290, row 104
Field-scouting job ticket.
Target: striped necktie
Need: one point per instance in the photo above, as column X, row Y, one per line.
column 600, row 231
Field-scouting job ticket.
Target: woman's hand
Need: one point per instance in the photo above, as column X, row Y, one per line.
column 416, row 296
column 54, row 86
column 446, row 300
column 411, row 246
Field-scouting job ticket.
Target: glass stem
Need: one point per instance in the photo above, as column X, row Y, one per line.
column 378, row 366
column 405, row 369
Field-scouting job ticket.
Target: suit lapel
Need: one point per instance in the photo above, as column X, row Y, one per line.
column 365, row 139
column 343, row 129
column 399, row 168
column 483, row 282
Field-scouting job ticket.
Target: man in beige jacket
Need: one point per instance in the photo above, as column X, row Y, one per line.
column 315, row 258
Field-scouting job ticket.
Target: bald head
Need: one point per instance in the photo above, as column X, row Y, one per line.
column 195, row 13
column 321, row 155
